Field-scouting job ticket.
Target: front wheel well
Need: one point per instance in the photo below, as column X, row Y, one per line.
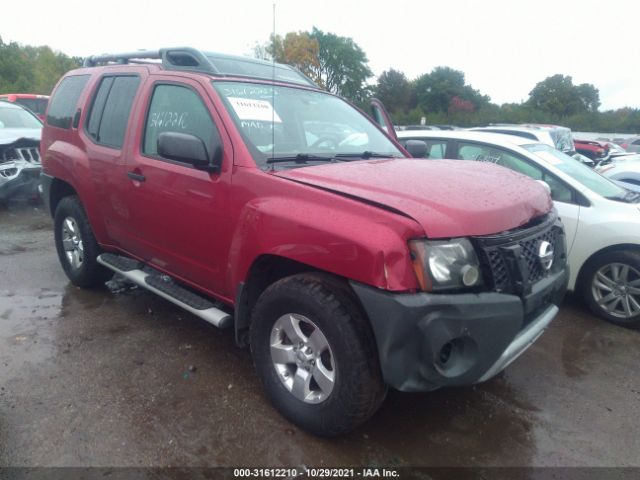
column 265, row 270
column 611, row 248
column 59, row 190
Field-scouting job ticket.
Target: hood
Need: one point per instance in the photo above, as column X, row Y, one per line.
column 449, row 198
column 11, row 135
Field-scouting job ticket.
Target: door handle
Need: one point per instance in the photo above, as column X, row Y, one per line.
column 138, row 177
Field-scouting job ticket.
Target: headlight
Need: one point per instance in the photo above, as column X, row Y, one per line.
column 445, row 264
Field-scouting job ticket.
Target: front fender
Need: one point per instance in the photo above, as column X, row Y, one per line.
column 338, row 235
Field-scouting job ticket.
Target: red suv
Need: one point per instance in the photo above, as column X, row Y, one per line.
column 238, row 190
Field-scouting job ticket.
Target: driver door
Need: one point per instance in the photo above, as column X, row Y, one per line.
column 177, row 213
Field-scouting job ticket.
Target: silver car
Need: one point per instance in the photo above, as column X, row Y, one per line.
column 20, row 132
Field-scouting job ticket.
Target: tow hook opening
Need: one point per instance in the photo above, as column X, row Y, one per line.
column 457, row 356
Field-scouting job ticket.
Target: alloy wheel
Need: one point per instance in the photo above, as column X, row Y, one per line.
column 72, row 242
column 302, row 358
column 616, row 289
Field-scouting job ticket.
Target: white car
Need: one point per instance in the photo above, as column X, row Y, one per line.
column 624, row 172
column 601, row 219
column 553, row 135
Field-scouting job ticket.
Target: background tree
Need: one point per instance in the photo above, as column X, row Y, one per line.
column 343, row 66
column 335, row 63
column 26, row 69
column 394, row 90
column 557, row 95
column 435, row 91
column 295, row 48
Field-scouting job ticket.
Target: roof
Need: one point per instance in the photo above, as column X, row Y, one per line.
column 211, row 63
column 478, row 136
column 525, row 127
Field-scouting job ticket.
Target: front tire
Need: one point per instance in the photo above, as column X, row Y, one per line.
column 315, row 354
column 611, row 287
column 76, row 245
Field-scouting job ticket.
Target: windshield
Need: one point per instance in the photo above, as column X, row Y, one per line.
column 291, row 123
column 36, row 105
column 16, row 117
column 563, row 140
column 583, row 174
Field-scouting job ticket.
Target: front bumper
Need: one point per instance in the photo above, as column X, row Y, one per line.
column 23, row 184
column 427, row 341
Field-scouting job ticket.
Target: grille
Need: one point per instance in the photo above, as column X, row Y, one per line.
column 530, row 252
column 29, row 154
column 513, row 257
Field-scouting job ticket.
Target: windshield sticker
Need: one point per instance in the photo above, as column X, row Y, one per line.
column 248, row 91
column 250, row 109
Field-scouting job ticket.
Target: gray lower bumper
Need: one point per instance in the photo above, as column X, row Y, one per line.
column 522, row 341
column 427, row 341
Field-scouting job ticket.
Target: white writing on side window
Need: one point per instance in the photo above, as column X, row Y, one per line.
column 250, row 109
column 169, row 120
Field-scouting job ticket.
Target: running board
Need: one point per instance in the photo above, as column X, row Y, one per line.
column 164, row 286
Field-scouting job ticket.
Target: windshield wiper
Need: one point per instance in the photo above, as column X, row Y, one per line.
column 301, row 158
column 365, row 155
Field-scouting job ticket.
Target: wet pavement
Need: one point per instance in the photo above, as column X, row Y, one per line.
column 120, row 377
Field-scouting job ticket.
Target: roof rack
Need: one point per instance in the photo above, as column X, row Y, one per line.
column 191, row 59
column 182, row 58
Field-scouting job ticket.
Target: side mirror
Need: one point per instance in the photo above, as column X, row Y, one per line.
column 416, row 148
column 186, row 148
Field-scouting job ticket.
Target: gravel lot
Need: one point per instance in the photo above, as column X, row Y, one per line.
column 120, row 377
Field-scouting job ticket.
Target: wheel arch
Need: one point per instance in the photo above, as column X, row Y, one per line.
column 265, row 270
column 580, row 279
column 59, row 189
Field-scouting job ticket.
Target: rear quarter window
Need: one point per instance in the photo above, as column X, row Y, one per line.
column 65, row 101
column 110, row 111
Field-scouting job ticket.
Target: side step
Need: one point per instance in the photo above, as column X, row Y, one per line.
column 164, row 286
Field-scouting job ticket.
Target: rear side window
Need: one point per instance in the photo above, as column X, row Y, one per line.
column 484, row 153
column 65, row 100
column 176, row 109
column 109, row 115
column 36, row 105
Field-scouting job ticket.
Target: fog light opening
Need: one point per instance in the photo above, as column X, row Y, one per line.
column 456, row 357
column 445, row 353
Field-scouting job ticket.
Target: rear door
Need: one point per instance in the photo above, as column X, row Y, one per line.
column 564, row 197
column 104, row 133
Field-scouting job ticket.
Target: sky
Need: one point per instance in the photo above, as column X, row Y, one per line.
column 503, row 47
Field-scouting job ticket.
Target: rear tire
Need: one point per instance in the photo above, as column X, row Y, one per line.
column 314, row 318
column 611, row 287
column 77, row 247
